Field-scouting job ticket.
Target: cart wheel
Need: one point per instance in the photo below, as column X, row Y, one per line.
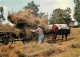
column 6, row 40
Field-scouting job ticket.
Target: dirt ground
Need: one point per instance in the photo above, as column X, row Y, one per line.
column 69, row 48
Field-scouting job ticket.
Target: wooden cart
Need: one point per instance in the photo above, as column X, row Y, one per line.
column 5, row 36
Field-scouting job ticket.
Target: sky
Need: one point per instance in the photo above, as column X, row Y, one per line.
column 45, row 5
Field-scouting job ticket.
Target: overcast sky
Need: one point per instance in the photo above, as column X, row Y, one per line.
column 45, row 5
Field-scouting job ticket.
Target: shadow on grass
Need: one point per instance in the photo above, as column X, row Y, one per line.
column 59, row 40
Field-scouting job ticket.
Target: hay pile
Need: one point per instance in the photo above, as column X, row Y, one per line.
column 25, row 20
column 11, row 50
column 9, row 28
column 29, row 50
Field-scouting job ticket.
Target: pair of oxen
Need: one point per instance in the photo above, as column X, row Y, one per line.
column 59, row 29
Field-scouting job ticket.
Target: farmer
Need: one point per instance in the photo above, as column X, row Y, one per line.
column 40, row 33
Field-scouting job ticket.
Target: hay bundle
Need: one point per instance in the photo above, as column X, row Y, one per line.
column 16, row 31
column 24, row 17
column 25, row 20
column 7, row 27
column 43, row 23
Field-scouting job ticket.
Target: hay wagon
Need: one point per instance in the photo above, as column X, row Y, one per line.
column 9, row 36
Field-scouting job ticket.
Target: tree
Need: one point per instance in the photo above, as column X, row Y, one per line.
column 42, row 15
column 1, row 10
column 77, row 10
column 33, row 7
column 60, row 16
column 76, row 1
column 1, row 14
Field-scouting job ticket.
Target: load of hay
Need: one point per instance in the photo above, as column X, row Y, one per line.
column 25, row 21
column 9, row 28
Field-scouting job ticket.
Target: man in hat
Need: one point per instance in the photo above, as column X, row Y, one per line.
column 40, row 33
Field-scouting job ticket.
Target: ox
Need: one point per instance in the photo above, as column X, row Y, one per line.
column 59, row 29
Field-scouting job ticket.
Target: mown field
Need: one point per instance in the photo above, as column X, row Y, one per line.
column 70, row 48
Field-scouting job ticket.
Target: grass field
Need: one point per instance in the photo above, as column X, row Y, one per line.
column 70, row 48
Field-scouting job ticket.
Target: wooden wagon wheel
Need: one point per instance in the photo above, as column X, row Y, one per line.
column 5, row 39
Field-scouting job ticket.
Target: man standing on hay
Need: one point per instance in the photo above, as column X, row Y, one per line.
column 40, row 33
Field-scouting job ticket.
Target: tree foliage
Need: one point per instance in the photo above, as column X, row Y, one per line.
column 1, row 10
column 1, row 14
column 60, row 16
column 33, row 7
column 77, row 10
column 42, row 15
